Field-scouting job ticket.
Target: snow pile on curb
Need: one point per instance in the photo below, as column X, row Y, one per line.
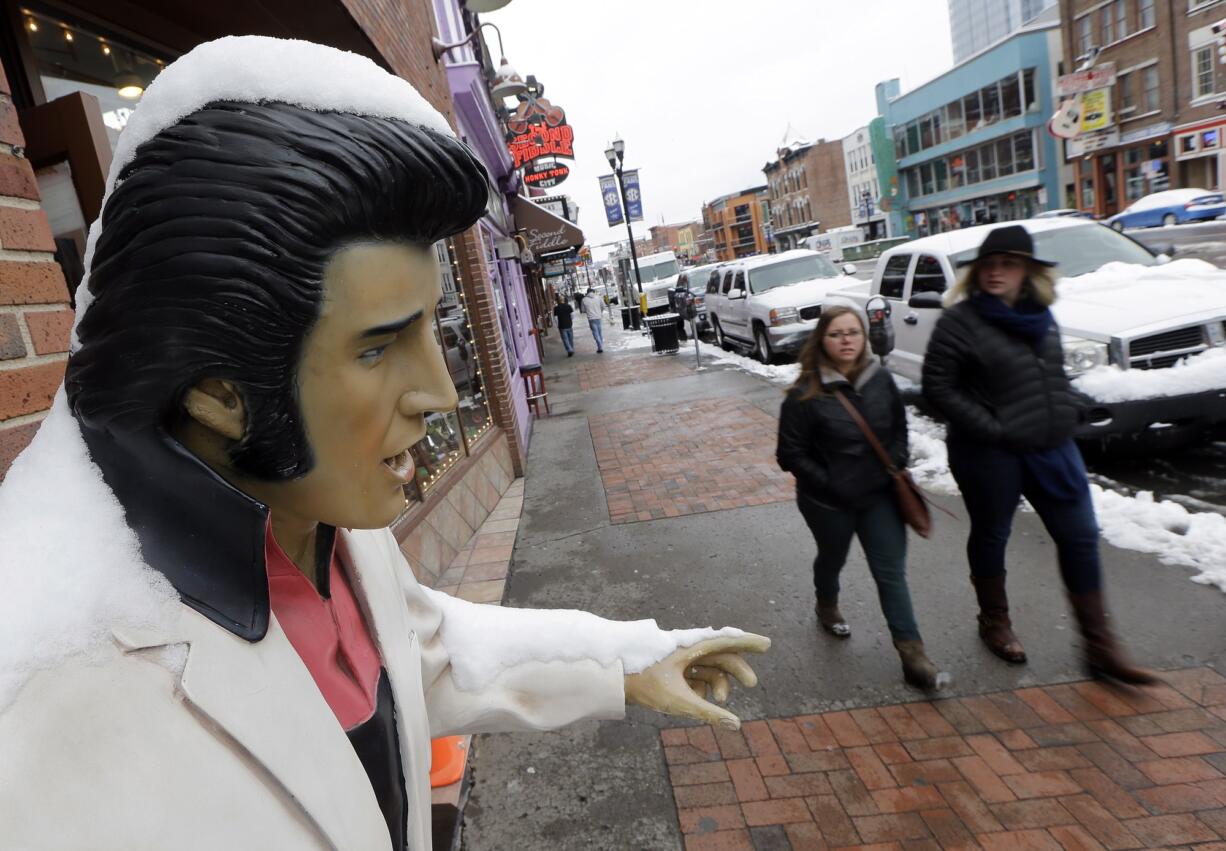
column 783, row 374
column 1165, row 529
column 929, row 464
column 1197, row 374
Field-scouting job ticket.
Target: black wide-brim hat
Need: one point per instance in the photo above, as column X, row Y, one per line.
column 1011, row 239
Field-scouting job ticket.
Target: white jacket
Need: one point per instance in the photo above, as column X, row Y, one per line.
column 232, row 745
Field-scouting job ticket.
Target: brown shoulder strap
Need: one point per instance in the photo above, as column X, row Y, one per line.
column 868, row 432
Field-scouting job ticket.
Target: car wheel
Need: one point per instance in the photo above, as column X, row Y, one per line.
column 1117, row 226
column 1169, row 220
column 720, row 339
column 762, row 346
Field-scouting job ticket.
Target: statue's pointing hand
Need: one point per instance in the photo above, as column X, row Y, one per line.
column 678, row 683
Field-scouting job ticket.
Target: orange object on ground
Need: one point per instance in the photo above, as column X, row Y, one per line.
column 447, row 758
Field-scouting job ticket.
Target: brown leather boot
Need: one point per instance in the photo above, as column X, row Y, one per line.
column 1104, row 657
column 831, row 619
column 995, row 628
column 917, row 668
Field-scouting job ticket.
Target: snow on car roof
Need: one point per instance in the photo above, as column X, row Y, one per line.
column 1167, row 198
column 759, row 260
column 966, row 239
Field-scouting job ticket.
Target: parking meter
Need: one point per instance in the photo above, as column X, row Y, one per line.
column 880, row 328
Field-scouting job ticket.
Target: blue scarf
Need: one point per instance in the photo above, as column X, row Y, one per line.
column 1029, row 320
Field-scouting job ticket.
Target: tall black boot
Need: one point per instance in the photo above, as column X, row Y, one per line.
column 1104, row 657
column 995, row 627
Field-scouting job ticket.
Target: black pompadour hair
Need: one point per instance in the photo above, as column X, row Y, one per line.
column 212, row 253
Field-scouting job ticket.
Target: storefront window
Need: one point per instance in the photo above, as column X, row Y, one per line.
column 972, row 166
column 449, row 434
column 926, row 178
column 987, row 163
column 939, row 171
column 955, row 125
column 72, row 58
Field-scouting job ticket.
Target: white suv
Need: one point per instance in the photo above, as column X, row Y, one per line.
column 771, row 302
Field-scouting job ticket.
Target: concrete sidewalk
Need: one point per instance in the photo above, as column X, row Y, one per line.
column 652, row 492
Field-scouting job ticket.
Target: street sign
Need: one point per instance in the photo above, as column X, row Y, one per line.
column 1098, row 77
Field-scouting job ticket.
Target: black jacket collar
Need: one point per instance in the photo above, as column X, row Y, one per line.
column 203, row 534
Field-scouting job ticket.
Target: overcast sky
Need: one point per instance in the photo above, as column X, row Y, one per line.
column 702, row 91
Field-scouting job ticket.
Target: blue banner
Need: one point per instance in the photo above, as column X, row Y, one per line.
column 634, row 198
column 612, row 203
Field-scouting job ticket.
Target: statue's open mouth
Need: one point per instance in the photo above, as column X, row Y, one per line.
column 401, row 464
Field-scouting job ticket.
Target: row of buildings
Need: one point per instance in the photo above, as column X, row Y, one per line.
column 72, row 75
column 971, row 146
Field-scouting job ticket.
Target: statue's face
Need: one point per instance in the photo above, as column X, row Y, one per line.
column 371, row 370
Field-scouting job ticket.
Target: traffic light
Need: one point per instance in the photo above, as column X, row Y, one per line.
column 1219, row 35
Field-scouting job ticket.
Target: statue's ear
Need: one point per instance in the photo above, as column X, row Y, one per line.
column 218, row 406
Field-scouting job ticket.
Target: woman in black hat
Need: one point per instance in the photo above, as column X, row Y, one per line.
column 994, row 369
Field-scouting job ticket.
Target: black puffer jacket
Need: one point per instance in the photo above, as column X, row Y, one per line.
column 994, row 387
column 821, row 445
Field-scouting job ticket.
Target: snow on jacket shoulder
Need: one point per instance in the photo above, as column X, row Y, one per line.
column 821, row 445
column 994, row 387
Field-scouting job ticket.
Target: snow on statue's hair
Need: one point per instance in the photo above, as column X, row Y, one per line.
column 214, row 239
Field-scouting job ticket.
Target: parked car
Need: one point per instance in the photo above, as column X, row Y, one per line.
column 691, row 286
column 1172, row 207
column 1065, row 212
column 1147, row 314
column 770, row 303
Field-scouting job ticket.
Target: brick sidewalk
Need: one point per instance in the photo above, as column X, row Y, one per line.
column 1074, row 766
column 594, row 375
column 673, row 460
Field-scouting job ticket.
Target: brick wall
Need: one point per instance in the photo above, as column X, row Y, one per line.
column 827, row 176
column 34, row 315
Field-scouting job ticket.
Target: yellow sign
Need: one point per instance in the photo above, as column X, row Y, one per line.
column 1095, row 110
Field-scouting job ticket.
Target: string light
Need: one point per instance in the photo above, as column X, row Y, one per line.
column 32, row 25
column 68, row 36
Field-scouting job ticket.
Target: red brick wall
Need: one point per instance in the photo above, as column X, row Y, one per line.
column 828, row 184
column 34, row 315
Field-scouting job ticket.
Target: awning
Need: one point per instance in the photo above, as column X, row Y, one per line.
column 546, row 233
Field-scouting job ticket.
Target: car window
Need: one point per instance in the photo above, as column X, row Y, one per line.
column 929, row 276
column 713, row 282
column 1080, row 249
column 449, row 336
column 894, row 275
column 740, row 281
column 727, row 282
column 787, row 272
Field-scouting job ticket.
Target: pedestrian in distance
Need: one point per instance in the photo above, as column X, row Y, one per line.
column 842, row 488
column 562, row 313
column 591, row 308
column 994, row 370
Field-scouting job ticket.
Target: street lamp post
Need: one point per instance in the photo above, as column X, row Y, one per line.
column 615, row 154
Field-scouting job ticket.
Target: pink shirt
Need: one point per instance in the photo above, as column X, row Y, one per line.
column 330, row 635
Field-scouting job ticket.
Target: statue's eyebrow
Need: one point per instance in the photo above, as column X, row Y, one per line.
column 391, row 327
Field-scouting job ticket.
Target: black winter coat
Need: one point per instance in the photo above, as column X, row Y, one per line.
column 995, row 387
column 821, row 445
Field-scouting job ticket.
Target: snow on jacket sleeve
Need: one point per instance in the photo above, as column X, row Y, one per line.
column 793, row 452
column 944, row 381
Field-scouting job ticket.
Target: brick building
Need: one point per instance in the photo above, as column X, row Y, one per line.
column 737, row 224
column 807, row 189
column 681, row 239
column 63, row 100
column 1166, row 122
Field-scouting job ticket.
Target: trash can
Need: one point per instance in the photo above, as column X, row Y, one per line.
column 663, row 327
column 626, row 318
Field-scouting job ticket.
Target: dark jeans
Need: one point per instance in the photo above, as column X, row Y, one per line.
column 992, row 481
column 884, row 540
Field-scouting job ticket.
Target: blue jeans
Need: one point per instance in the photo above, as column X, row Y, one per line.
column 993, row 480
column 568, row 338
column 597, row 333
column 883, row 536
